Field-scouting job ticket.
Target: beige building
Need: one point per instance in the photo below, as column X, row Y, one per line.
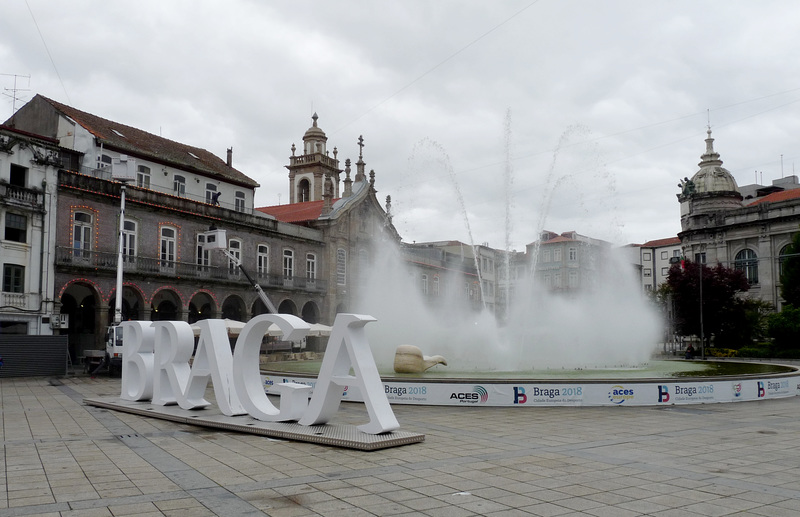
column 720, row 225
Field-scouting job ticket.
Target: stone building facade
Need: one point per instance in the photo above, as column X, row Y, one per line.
column 718, row 225
column 307, row 265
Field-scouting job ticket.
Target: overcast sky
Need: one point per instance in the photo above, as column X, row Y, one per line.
column 591, row 112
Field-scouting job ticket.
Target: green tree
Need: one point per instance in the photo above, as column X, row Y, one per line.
column 784, row 329
column 722, row 310
column 790, row 278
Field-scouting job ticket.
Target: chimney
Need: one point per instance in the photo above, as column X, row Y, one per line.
column 230, row 157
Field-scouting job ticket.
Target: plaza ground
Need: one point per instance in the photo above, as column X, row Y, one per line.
column 62, row 457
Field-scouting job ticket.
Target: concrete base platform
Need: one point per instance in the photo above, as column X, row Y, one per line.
column 346, row 436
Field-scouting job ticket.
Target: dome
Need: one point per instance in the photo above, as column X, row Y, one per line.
column 314, row 132
column 712, row 177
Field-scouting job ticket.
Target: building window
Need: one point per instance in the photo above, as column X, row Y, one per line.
column 573, row 279
column 557, row 280
column 235, row 249
column 664, row 271
column 676, row 253
column 311, row 266
column 783, row 256
column 424, row 285
column 303, row 191
column 546, row 256
column 239, row 201
column 573, row 254
column 18, row 176
column 203, row 256
column 557, row 255
column 262, row 260
column 700, row 258
column 436, row 285
column 747, row 261
column 16, row 227
column 179, row 185
column 647, row 272
column 143, row 176
column 646, row 256
column 548, row 281
column 129, row 241
column 167, row 252
column 13, row 278
column 288, row 264
column 664, row 255
column 81, row 234
column 104, row 162
column 341, row 266
column 211, row 190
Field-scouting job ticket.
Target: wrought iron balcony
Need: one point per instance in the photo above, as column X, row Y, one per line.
column 99, row 260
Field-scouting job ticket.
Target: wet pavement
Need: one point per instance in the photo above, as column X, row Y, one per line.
column 63, row 457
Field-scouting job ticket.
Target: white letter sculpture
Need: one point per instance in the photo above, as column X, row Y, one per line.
column 137, row 360
column 247, row 376
column 348, row 347
column 155, row 366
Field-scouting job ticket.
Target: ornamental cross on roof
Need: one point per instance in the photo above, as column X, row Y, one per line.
column 361, row 146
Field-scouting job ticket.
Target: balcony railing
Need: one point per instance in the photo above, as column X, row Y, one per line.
column 105, row 174
column 171, row 268
column 17, row 300
column 21, row 195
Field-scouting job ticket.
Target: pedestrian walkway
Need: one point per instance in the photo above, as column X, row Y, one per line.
column 64, row 458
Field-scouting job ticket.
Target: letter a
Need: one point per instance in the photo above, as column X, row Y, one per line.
column 348, row 347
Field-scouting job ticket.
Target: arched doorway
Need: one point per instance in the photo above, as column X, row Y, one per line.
column 165, row 306
column 132, row 304
column 234, row 308
column 259, row 308
column 287, row 307
column 201, row 307
column 310, row 313
column 80, row 301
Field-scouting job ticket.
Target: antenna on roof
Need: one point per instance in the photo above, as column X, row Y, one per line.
column 14, row 90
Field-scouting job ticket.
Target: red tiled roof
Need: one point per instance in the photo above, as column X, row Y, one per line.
column 127, row 139
column 295, row 212
column 671, row 241
column 558, row 239
column 778, row 196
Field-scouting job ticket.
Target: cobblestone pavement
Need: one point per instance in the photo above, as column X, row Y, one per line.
column 64, row 458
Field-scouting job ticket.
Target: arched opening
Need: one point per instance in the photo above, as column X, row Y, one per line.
column 165, row 306
column 132, row 303
column 303, row 191
column 310, row 313
column 233, row 308
column 80, row 302
column 259, row 308
column 287, row 307
column 201, row 307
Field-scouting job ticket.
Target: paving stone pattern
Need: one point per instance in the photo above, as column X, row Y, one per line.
column 64, row 458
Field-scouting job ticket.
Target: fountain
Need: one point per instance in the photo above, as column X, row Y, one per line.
column 592, row 349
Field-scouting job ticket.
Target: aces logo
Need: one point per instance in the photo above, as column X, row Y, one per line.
column 477, row 395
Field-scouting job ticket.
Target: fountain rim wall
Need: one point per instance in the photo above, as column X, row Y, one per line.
column 531, row 392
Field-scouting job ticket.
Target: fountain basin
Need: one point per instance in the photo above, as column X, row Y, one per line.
column 673, row 382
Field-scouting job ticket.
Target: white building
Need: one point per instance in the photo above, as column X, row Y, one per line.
column 28, row 179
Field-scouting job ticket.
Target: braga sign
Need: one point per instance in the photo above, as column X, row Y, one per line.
column 155, row 367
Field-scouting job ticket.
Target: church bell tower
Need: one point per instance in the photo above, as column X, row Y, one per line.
column 310, row 171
